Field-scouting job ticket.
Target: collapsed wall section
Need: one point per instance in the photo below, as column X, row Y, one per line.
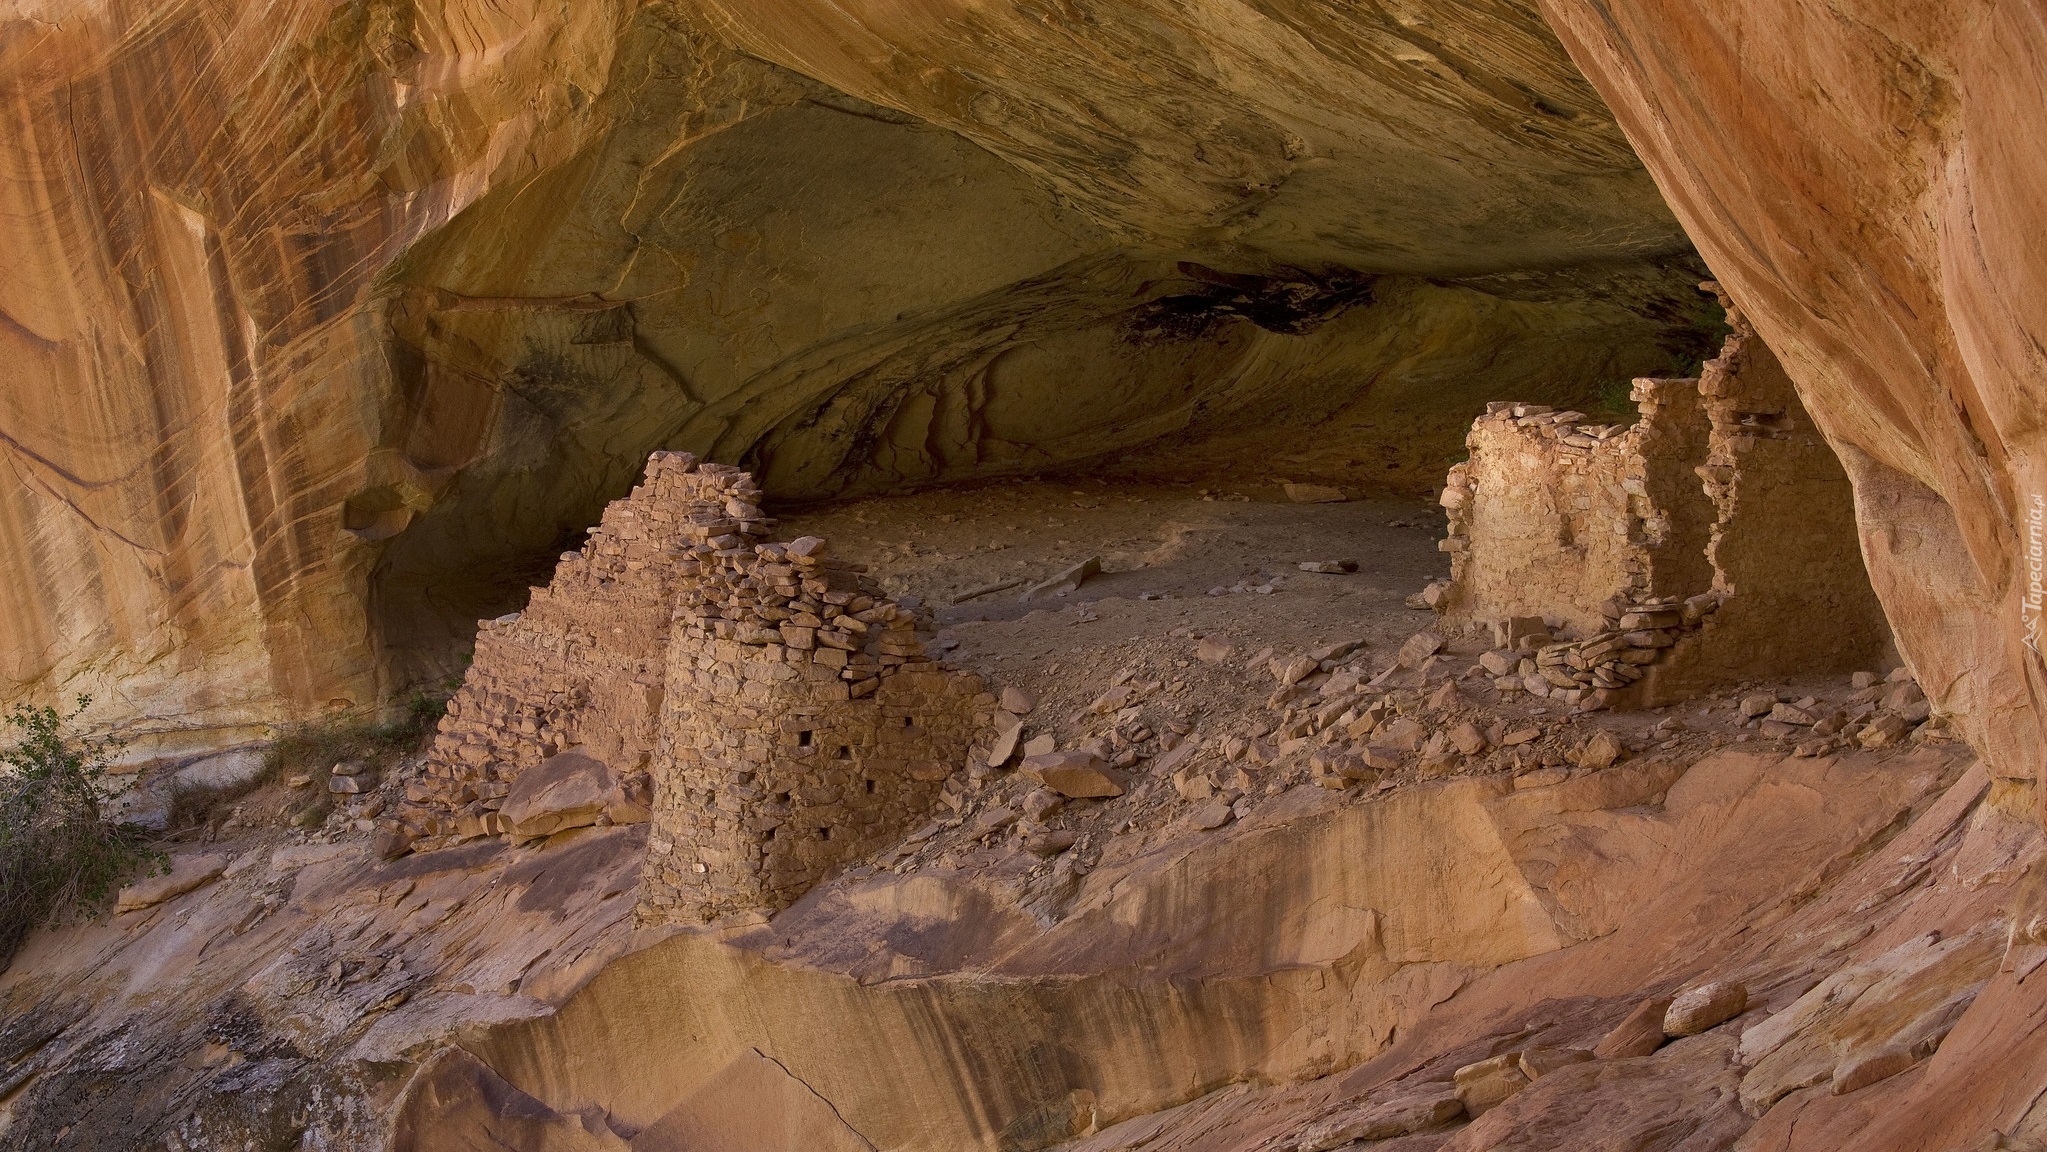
column 775, row 711
column 1557, row 517
column 1714, row 541
column 804, row 727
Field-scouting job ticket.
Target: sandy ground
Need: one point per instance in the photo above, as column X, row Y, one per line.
column 1182, row 564
column 1177, row 567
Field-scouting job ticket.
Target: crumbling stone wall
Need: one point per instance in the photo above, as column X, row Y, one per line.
column 781, row 707
column 804, row 727
column 1559, row 518
column 1713, row 541
column 584, row 664
column 1786, row 555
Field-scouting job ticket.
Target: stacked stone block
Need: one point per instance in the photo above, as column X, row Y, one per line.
column 1785, row 549
column 1722, row 515
column 584, row 665
column 1638, row 636
column 1556, row 517
column 804, row 727
column 783, row 708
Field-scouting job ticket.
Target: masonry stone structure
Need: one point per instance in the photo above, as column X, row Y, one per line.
column 1555, row 517
column 778, row 707
column 1712, row 541
column 1785, row 550
column 803, row 727
column 585, row 664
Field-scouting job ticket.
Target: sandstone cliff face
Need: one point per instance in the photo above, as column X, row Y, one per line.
column 198, row 412
column 326, row 322
column 1866, row 180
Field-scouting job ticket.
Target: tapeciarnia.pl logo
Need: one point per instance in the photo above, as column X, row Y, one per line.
column 2031, row 616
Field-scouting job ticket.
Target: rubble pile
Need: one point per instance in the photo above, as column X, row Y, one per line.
column 1587, row 672
column 766, row 706
column 1145, row 756
column 803, row 727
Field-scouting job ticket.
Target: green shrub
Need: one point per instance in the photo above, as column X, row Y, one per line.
column 60, row 857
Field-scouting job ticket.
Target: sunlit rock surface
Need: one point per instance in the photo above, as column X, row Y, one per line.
column 328, row 326
column 1867, row 181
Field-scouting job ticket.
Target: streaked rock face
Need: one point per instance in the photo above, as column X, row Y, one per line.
column 327, row 326
column 1866, row 180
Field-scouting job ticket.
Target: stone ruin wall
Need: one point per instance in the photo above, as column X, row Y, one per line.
column 804, row 727
column 585, row 664
column 1786, row 553
column 780, row 707
column 1555, row 517
column 1713, row 541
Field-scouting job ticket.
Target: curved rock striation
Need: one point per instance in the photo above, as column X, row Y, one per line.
column 330, row 326
column 1865, row 180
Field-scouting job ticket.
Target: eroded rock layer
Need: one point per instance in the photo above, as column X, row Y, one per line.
column 331, row 326
column 1866, row 180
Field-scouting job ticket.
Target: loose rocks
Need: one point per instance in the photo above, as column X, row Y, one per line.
column 1004, row 747
column 1466, row 738
column 1404, row 1115
column 1540, row 1061
column 1049, row 844
column 1638, row 1035
column 1603, row 750
column 567, row 790
column 1315, row 494
column 1418, row 648
column 1067, row 580
column 187, row 874
column 1295, row 669
column 1486, row 1085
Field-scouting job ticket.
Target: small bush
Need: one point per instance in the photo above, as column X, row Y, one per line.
column 60, row 858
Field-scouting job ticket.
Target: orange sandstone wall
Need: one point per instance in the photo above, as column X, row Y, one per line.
column 195, row 201
column 1868, row 181
column 321, row 324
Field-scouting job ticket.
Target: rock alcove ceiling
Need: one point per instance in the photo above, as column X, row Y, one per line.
column 331, row 326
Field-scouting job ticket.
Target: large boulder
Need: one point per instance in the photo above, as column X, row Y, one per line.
column 567, row 790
